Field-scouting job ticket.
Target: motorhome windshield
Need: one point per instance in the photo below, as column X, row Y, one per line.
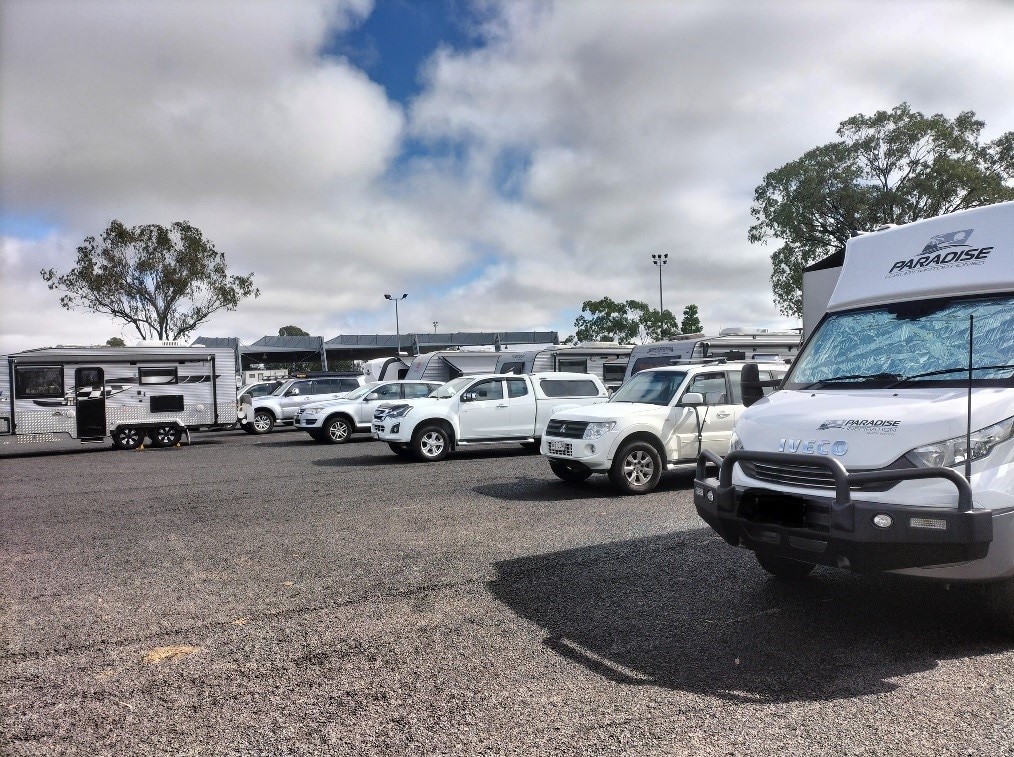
column 912, row 344
column 452, row 387
column 650, row 387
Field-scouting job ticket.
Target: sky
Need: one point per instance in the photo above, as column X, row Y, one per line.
column 499, row 162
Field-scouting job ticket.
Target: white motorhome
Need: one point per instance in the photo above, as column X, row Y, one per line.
column 444, row 365
column 124, row 393
column 607, row 361
column 731, row 344
column 890, row 444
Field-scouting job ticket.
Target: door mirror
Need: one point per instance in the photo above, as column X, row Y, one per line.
column 692, row 398
column 292, row 392
column 372, row 397
column 468, row 397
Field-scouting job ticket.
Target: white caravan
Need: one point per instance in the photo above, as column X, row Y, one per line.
column 890, row 444
column 122, row 393
column 731, row 344
column 444, row 365
column 384, row 369
column 607, row 361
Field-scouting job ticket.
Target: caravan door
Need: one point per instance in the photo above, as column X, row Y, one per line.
column 90, row 402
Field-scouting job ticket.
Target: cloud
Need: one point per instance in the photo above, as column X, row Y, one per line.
column 534, row 171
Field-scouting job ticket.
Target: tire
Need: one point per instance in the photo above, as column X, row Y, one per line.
column 531, row 447
column 337, row 430
column 263, row 422
column 402, row 450
column 783, row 567
column 431, row 443
column 127, row 437
column 1001, row 600
column 569, row 472
column 248, row 427
column 165, row 436
column 318, row 436
column 636, row 469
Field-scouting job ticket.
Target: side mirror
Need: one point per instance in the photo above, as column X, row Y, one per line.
column 750, row 384
column 292, row 392
column 692, row 398
column 372, row 397
column 468, row 397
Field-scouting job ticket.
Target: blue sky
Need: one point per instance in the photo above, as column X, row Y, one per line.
column 502, row 161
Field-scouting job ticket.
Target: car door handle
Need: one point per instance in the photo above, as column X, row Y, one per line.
column 502, row 406
column 722, row 415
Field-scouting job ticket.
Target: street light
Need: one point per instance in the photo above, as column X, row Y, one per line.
column 660, row 259
column 397, row 324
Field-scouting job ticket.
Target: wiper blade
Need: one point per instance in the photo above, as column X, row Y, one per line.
column 945, row 371
column 855, row 377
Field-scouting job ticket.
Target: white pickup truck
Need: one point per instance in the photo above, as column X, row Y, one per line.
column 659, row 418
column 485, row 409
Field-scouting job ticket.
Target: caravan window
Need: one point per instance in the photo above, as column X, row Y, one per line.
column 613, row 373
column 514, row 367
column 38, row 381
column 572, row 364
column 157, row 375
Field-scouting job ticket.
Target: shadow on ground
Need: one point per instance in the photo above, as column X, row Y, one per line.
column 686, row 611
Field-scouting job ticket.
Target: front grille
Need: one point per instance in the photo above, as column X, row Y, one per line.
column 809, row 476
column 566, row 429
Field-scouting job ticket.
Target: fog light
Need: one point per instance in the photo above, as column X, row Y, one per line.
column 710, row 495
column 591, row 449
column 883, row 520
column 395, row 428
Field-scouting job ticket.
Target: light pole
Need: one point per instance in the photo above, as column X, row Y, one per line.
column 435, row 324
column 660, row 259
column 397, row 324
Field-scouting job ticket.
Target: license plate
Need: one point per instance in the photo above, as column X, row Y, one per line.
column 558, row 448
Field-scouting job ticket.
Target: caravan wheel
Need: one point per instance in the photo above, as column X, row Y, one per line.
column 166, row 436
column 127, row 437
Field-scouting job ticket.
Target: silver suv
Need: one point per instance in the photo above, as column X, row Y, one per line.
column 258, row 415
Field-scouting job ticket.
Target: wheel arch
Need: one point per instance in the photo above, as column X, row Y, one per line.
column 641, row 436
column 443, row 423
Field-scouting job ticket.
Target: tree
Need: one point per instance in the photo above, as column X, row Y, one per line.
column 165, row 282
column 893, row 167
column 691, row 323
column 115, row 341
column 608, row 320
column 291, row 331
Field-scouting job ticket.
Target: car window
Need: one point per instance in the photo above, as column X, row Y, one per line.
column 387, row 392
column 304, row 387
column 711, row 386
column 569, row 388
column 517, row 387
column 413, row 391
column 491, row 389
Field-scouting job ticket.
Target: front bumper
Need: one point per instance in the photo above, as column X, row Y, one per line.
column 307, row 422
column 594, row 454
column 836, row 530
column 391, row 431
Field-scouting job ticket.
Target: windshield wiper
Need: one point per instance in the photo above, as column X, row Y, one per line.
column 856, row 377
column 945, row 371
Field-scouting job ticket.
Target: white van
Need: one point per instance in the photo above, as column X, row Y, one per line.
column 890, row 444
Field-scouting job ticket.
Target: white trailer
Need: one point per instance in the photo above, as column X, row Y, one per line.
column 889, row 446
column 607, row 361
column 731, row 344
column 122, row 393
column 444, row 365
column 384, row 369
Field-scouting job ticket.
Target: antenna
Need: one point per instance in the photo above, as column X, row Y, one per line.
column 968, row 424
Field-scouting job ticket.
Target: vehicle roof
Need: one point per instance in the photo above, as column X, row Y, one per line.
column 698, row 367
column 562, row 375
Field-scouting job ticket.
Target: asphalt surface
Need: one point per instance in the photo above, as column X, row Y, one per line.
column 272, row 596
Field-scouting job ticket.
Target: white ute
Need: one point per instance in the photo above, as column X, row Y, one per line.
column 660, row 418
column 486, row 409
column 890, row 446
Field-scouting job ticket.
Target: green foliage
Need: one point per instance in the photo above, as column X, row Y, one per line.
column 691, row 323
column 292, row 331
column 115, row 341
column 893, row 167
column 164, row 282
column 608, row 320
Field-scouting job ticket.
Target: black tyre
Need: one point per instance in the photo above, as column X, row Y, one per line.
column 337, row 430
column 531, row 447
column 248, row 427
column 403, row 450
column 1001, row 600
column 569, row 472
column 165, row 436
column 636, row 469
column 783, row 567
column 318, row 436
column 431, row 444
column 263, row 422
column 127, row 437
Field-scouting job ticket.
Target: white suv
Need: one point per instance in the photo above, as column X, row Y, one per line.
column 659, row 418
column 258, row 415
column 334, row 422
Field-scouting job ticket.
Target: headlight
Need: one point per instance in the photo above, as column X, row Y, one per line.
column 310, row 410
column 399, row 411
column 735, row 442
column 951, row 452
column 595, row 430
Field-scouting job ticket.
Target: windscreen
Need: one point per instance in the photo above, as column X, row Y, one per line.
column 916, row 343
column 452, row 387
column 650, row 387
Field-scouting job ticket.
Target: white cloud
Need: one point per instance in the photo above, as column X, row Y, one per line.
column 587, row 136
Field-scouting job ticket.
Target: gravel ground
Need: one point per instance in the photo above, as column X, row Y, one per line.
column 271, row 596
